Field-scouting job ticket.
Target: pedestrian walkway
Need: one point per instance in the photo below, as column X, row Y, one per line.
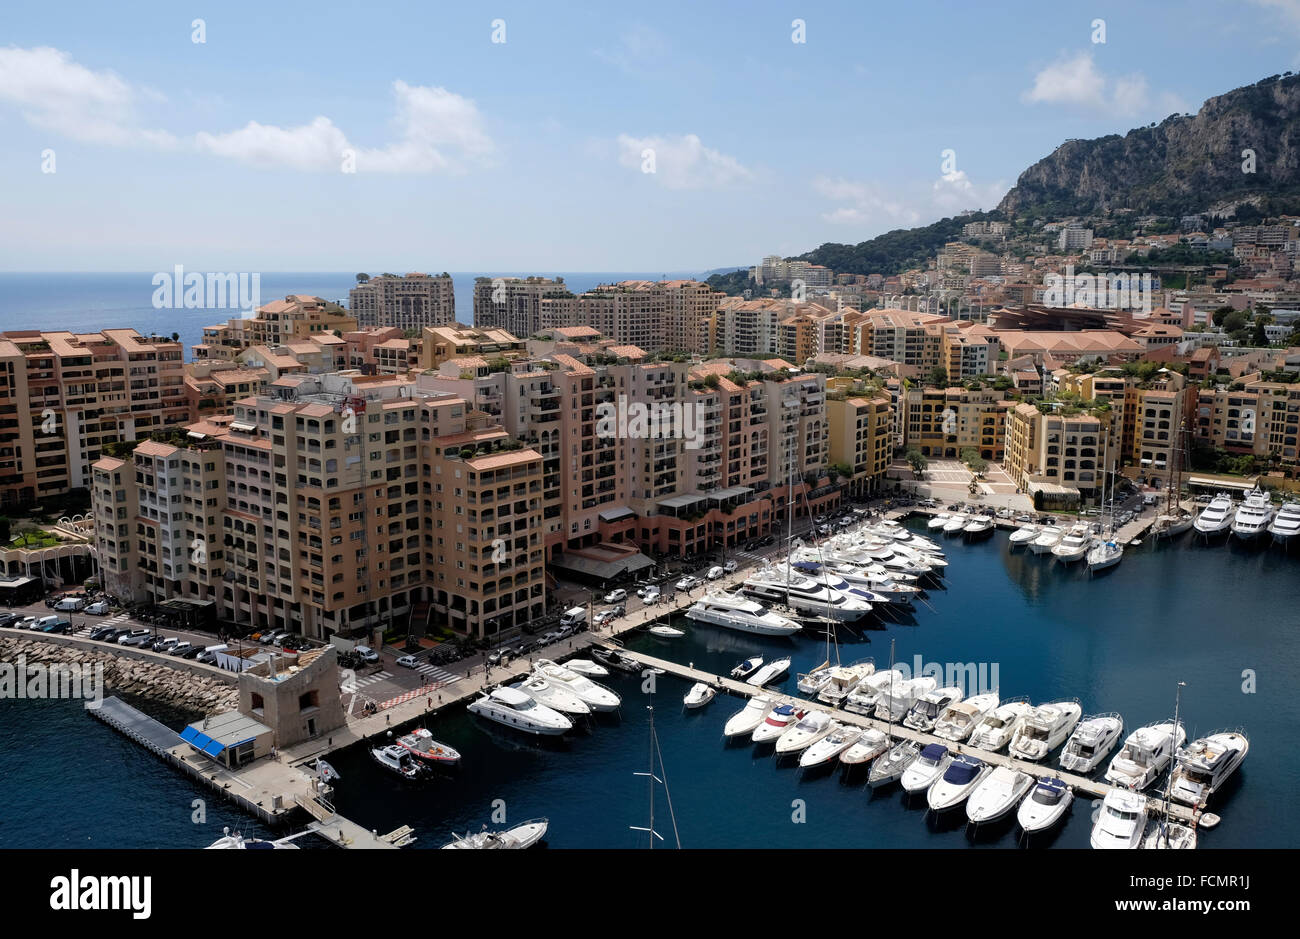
column 89, row 626
column 434, row 673
column 370, row 679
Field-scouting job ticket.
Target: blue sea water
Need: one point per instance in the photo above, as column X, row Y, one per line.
column 1216, row 617
column 87, row 302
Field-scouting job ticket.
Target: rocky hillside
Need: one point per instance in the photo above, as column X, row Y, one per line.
column 1184, row 165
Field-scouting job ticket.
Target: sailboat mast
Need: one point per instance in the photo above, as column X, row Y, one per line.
column 889, row 734
column 1169, row 784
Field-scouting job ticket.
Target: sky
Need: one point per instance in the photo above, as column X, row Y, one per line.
column 563, row 136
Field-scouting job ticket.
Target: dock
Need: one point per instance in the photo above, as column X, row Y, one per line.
column 1080, row 784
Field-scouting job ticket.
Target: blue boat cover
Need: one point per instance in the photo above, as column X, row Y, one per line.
column 934, row 751
column 783, row 709
column 962, row 772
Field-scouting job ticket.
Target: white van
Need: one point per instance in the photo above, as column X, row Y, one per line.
column 573, row 616
column 71, row 604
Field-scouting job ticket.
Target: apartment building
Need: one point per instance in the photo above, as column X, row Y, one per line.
column 63, row 396
column 410, row 302
column 515, row 304
column 942, row 422
column 797, row 338
column 1057, row 453
column 861, row 438
column 1261, row 418
column 274, row 324
column 914, row 339
column 214, row 387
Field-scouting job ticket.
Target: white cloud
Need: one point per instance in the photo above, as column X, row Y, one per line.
column 868, row 204
column 1076, row 81
column 440, row 130
column 54, row 93
column 954, row 192
column 681, row 162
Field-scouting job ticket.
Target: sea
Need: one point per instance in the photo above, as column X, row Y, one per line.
column 1222, row 618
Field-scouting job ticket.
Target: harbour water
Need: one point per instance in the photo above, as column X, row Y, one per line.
column 1218, row 617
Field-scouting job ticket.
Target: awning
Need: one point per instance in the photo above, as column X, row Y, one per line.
column 601, row 570
column 614, row 515
column 201, row 741
column 1204, row 483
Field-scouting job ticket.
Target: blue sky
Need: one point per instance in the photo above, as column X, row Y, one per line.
column 528, row 154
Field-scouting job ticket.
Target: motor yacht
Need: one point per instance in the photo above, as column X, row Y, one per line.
column 517, row 709
column 1074, row 544
column 871, row 744
column 961, row 717
column 771, row 672
column 699, row 695
column 748, row 667
column 421, row 745
column 1048, row 538
column 844, row 679
column 1286, row 523
column 876, row 588
column 1091, row 742
column 587, row 668
column 1146, row 753
column 890, row 766
column 595, row 695
column 1044, row 729
column 1163, row 833
column 925, row 711
column 1202, row 767
column 804, row 595
column 841, row 737
column 937, row 522
column 612, row 658
column 978, row 528
column 863, row 698
column 1215, row 518
column 235, row 841
column 998, row 726
column 775, row 722
column 734, row 611
column 1023, row 535
column 745, row 721
column 928, row 766
column 812, row 727
column 962, row 777
column 555, row 695
column 1045, row 805
column 955, row 523
column 395, row 759
column 521, row 836
column 1105, row 553
column 1122, row 820
column 998, row 794
column 897, row 701
column 1253, row 516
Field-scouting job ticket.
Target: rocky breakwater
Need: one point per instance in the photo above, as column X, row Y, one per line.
column 185, row 686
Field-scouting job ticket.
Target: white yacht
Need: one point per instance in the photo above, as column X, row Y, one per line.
column 1163, row 833
column 998, row 726
column 587, row 668
column 897, row 700
column 804, row 595
column 769, row 673
column 1044, row 729
column 1074, row 544
column 955, row 523
column 874, row 586
column 998, row 794
column 871, row 744
column 1171, row 526
column 397, row 760
column 1122, row 820
column 841, row 737
column 1105, row 553
column 555, row 695
column 1253, row 515
column 1215, row 518
column 812, row 727
column 981, row 526
column 962, row 777
column 596, row 696
column 1091, row 742
column 519, row 837
column 517, row 709
column 666, row 632
column 745, row 721
column 236, row 841
column 699, row 695
column 1203, row 766
column 844, row 679
column 928, row 766
column 733, row 611
column 1048, row 537
column 775, row 722
column 1286, row 523
column 937, row 522
column 863, row 698
column 960, row 718
column 1024, row 535
column 1146, row 753
column 748, row 667
column 925, row 711
column 889, row 767
column 1045, row 805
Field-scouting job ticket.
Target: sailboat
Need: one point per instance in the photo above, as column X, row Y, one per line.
column 655, row 753
column 1107, row 552
column 891, row 764
column 1163, row 831
column 1175, row 519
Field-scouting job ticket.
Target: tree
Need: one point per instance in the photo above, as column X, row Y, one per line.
column 938, row 376
column 363, row 278
column 916, row 459
column 1234, row 321
column 176, row 337
column 1260, row 336
column 971, row 457
column 1221, row 314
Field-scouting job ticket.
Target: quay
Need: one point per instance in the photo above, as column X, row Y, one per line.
column 1079, row 784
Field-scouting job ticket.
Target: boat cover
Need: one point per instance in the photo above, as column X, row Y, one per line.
column 934, row 751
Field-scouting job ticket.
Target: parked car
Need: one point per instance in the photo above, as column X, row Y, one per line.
column 7, row 619
column 165, row 644
column 180, row 648
column 103, row 632
column 500, row 656
column 578, row 614
column 528, row 645
column 408, row 661
column 205, row 657
column 651, row 595
column 98, row 608
column 687, row 583
column 58, row 626
column 715, row 572
column 367, row 654
column 193, row 652
column 616, row 596
column 135, row 637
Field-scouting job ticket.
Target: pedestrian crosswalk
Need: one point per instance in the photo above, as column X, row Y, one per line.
column 90, row 625
column 370, row 679
column 437, row 674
